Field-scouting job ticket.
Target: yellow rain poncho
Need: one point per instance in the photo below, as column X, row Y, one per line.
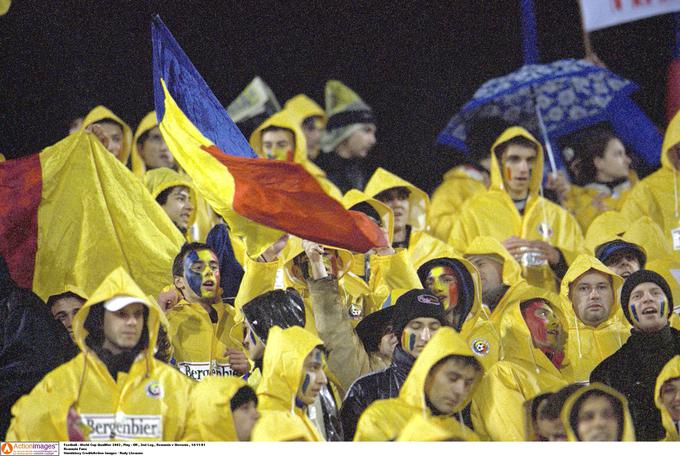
column 387, row 272
column 211, row 409
column 200, row 346
column 670, row 371
column 647, row 235
column 101, row 113
column 522, row 373
column 289, row 120
column 385, row 419
column 459, row 185
column 627, row 433
column 580, row 201
column 160, row 179
column 477, row 329
column 421, row 245
column 657, row 194
column 149, row 402
column 430, row 429
column 205, row 217
column 493, row 213
column 283, row 363
column 303, row 106
column 487, row 331
column 588, row 346
column 136, row 162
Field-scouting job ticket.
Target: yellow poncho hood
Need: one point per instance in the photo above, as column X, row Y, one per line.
column 137, row 163
column 303, row 107
column 284, row 357
column 419, row 202
column 496, row 178
column 354, row 197
column 444, row 343
column 119, row 283
column 581, row 265
column 474, row 312
column 670, row 370
column 283, row 119
column 101, row 113
column 486, row 245
column 295, row 248
column 516, row 341
column 160, row 179
column 670, row 139
column 628, row 434
column 212, row 396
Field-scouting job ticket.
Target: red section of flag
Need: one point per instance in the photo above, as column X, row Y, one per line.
column 20, row 192
column 284, row 196
column 673, row 89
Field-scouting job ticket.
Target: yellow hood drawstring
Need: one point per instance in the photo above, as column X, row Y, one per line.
column 675, row 190
column 82, row 379
column 488, row 318
column 533, row 356
column 578, row 336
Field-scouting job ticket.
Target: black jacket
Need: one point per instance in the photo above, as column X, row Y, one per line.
column 345, row 173
column 384, row 384
column 633, row 369
column 32, row 343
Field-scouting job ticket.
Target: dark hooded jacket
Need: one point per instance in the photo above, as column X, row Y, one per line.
column 365, row 390
column 633, row 370
column 32, row 343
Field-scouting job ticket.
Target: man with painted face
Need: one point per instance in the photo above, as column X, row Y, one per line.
column 534, row 362
column 281, row 137
column 589, row 293
column 536, row 232
column 292, row 379
column 200, row 323
column 439, row 386
column 647, row 304
column 418, row 314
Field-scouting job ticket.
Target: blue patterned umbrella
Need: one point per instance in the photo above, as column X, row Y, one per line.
column 569, row 94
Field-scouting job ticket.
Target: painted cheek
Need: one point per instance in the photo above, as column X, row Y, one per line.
column 508, row 173
column 252, row 337
column 305, row 383
column 193, row 279
column 662, row 307
column 408, row 339
column 633, row 312
column 453, row 295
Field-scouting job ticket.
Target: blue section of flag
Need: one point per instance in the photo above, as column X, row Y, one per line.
column 192, row 94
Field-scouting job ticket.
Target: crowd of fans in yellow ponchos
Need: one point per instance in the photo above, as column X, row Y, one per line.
column 495, row 314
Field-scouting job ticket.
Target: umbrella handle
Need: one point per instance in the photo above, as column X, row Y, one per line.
column 544, row 135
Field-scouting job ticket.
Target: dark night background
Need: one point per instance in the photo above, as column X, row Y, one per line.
column 415, row 64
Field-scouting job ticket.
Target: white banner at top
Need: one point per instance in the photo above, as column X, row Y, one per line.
column 599, row 14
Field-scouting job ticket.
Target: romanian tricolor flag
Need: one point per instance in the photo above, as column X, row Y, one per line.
column 72, row 213
column 259, row 198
